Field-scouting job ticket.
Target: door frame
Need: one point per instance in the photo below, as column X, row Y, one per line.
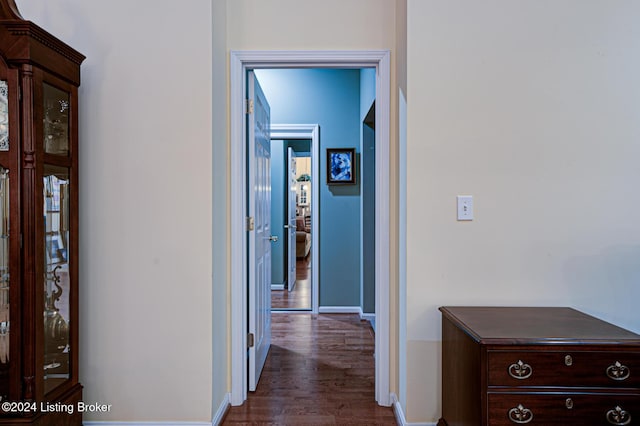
column 240, row 62
column 308, row 131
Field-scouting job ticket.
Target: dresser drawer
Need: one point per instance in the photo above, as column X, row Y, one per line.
column 563, row 409
column 564, row 368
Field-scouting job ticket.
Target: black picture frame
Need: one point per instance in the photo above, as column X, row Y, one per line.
column 341, row 166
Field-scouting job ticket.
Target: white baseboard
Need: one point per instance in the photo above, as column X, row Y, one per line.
column 402, row 421
column 369, row 317
column 218, row 416
column 349, row 310
column 277, row 286
column 146, row 423
column 217, row 419
column 340, row 310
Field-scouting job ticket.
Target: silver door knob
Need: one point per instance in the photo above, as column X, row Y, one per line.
column 290, row 227
column 273, row 238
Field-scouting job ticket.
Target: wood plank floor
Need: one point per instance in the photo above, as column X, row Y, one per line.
column 300, row 297
column 320, row 371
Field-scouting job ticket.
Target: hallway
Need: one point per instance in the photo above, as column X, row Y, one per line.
column 320, row 370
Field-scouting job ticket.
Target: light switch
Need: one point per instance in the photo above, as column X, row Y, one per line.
column 465, row 207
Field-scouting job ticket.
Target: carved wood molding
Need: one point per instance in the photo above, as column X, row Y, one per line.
column 27, row 28
column 9, row 10
column 18, row 26
column 29, row 388
column 29, row 159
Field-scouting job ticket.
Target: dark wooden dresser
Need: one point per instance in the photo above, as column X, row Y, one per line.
column 537, row 366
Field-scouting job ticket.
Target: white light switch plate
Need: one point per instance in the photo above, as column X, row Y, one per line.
column 465, row 207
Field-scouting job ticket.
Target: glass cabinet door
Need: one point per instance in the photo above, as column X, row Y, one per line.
column 56, row 120
column 57, row 280
column 5, row 259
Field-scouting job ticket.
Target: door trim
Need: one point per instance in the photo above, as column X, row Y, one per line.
column 308, row 131
column 240, row 62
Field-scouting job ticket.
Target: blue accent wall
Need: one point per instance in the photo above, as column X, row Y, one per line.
column 330, row 98
column 367, row 90
column 368, row 157
column 368, row 221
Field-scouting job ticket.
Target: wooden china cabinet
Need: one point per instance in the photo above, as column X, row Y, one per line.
column 39, row 79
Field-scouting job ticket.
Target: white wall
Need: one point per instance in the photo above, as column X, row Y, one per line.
column 221, row 237
column 146, row 202
column 399, row 358
column 308, row 25
column 532, row 108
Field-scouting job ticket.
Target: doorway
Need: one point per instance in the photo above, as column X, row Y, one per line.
column 240, row 63
column 309, row 135
column 336, row 99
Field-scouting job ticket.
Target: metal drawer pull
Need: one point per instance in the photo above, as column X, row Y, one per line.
column 618, row 416
column 618, row 371
column 521, row 415
column 520, row 370
column 569, row 404
column 568, row 361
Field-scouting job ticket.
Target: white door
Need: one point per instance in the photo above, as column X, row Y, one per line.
column 259, row 203
column 291, row 190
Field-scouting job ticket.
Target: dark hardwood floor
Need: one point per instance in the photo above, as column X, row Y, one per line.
column 300, row 296
column 320, row 371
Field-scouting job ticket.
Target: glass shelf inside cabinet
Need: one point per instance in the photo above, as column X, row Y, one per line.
column 56, row 120
column 57, row 284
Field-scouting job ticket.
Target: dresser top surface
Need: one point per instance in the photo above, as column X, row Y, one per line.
column 536, row 325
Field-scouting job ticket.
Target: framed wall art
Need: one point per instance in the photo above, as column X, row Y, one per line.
column 341, row 166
